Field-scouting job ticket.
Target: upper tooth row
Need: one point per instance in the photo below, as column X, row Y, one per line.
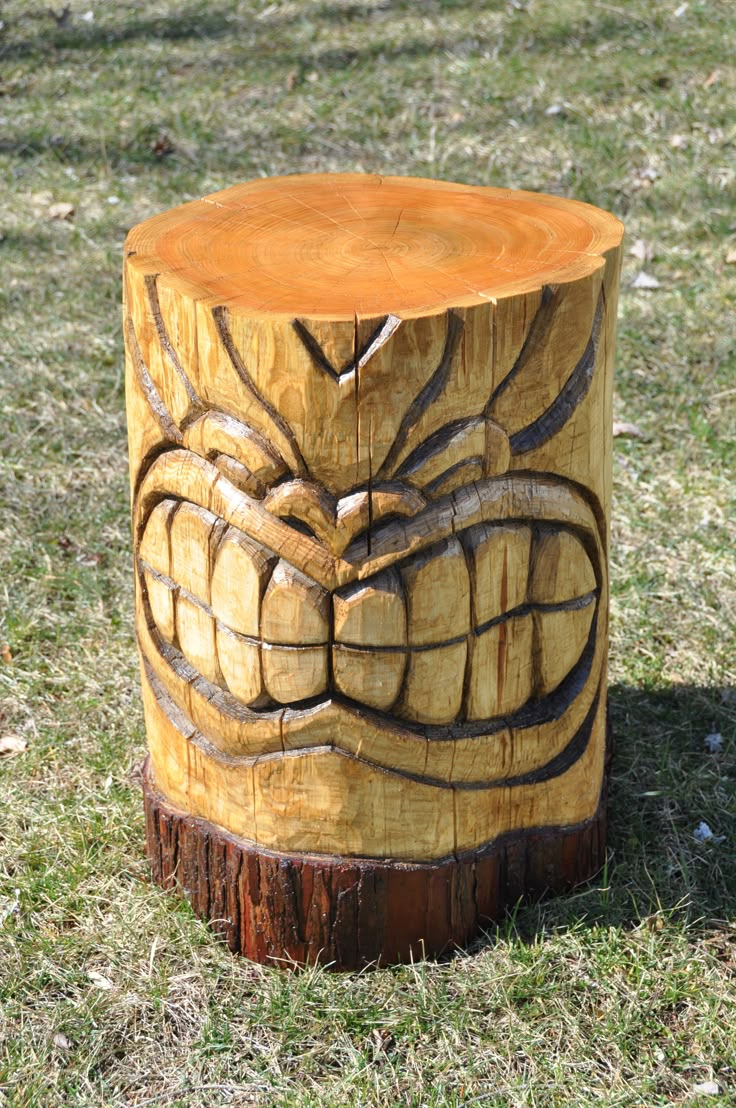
column 400, row 640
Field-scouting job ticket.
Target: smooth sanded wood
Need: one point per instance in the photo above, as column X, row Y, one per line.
column 370, row 443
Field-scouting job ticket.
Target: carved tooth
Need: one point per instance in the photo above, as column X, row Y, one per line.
column 195, row 629
column 559, row 640
column 292, row 674
column 195, row 533
column 240, row 662
column 498, row 558
column 242, row 569
column 561, row 569
column 154, row 547
column 294, row 609
column 501, row 669
column 437, row 589
column 161, row 599
column 433, row 689
column 372, row 677
column 372, row 612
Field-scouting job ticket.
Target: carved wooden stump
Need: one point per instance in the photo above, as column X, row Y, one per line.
column 370, row 442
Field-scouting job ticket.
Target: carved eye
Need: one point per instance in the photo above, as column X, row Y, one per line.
column 238, row 451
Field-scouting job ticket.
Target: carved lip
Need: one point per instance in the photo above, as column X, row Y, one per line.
column 531, row 735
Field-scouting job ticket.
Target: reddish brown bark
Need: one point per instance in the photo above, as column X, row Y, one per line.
column 349, row 913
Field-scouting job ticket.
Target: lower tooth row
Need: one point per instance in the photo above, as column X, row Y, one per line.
column 513, row 660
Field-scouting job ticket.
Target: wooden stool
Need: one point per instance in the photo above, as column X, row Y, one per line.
column 370, row 447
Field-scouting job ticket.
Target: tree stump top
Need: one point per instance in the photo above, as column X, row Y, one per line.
column 338, row 246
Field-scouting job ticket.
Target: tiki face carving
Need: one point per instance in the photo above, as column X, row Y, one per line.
column 397, row 580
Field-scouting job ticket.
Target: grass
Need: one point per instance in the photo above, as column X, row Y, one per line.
column 111, row 993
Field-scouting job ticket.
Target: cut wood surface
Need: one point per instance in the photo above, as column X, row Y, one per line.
column 370, row 440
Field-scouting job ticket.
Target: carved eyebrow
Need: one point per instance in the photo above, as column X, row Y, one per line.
column 433, row 388
column 453, row 443
column 570, row 396
column 463, row 449
column 219, row 433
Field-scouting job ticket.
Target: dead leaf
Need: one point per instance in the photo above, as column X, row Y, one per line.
column 162, row 146
column 707, row 1088
column 9, row 907
column 62, row 210
column 645, row 281
column 641, row 250
column 383, row 1041
column 88, row 559
column 13, row 744
column 99, row 980
column 5, row 653
column 61, row 1042
column 731, row 256
column 711, row 79
column 624, row 430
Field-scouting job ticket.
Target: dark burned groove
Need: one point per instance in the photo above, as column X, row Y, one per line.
column 474, row 459
column 436, row 442
column 558, row 765
column 572, row 393
column 379, row 336
column 160, row 412
column 420, row 648
column 314, row 350
column 163, row 337
column 219, row 315
column 541, row 321
column 429, row 394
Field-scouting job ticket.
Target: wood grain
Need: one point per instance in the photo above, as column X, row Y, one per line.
column 369, row 428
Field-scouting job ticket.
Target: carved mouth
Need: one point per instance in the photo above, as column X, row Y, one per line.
column 468, row 629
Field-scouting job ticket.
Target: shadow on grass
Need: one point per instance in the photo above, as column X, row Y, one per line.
column 664, row 783
column 196, row 21
column 268, row 36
